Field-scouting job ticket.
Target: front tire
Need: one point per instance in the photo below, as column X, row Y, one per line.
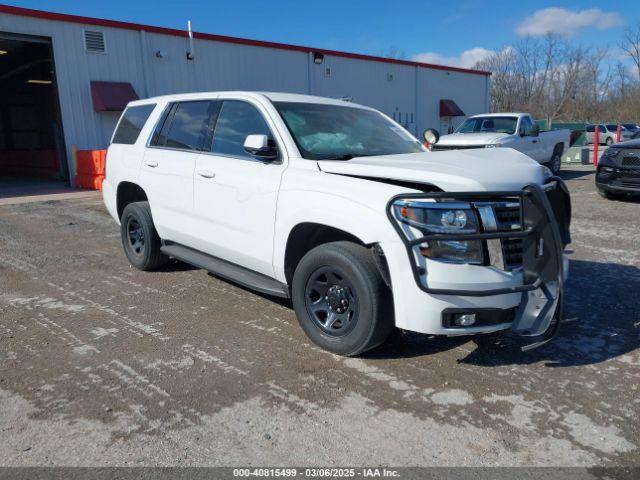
column 341, row 301
column 139, row 237
column 609, row 141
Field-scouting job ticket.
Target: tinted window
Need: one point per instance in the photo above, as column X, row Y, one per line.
column 612, row 128
column 237, row 120
column 131, row 123
column 186, row 126
column 489, row 124
column 590, row 128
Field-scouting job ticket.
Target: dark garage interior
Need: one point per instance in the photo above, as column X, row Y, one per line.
column 31, row 141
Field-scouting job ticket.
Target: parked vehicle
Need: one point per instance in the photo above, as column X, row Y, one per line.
column 509, row 130
column 607, row 133
column 632, row 127
column 618, row 173
column 337, row 207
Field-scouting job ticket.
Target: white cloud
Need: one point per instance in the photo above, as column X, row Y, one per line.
column 466, row 59
column 566, row 22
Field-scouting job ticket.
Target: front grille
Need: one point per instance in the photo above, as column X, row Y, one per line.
column 631, row 161
column 437, row 147
column 630, row 182
column 507, row 220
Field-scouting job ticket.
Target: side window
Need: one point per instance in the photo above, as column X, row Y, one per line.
column 526, row 124
column 185, row 126
column 236, row 120
column 590, row 128
column 131, row 123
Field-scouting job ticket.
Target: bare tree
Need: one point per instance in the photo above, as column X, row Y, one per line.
column 631, row 45
column 557, row 80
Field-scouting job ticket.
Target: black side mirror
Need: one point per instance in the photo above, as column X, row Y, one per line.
column 431, row 136
column 521, row 132
column 259, row 146
column 535, row 130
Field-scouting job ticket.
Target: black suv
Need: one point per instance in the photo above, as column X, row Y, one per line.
column 618, row 171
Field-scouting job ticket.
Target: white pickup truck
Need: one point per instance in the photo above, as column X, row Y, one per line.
column 509, row 130
column 337, row 207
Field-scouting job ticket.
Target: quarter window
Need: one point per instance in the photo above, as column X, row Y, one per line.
column 131, row 123
column 186, row 126
column 237, row 120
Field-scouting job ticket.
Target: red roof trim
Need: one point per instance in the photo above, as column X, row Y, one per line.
column 63, row 17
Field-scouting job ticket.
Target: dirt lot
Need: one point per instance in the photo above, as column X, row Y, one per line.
column 101, row 364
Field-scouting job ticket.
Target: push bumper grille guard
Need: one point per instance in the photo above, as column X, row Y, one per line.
column 542, row 250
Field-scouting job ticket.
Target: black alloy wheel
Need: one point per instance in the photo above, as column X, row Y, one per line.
column 135, row 235
column 331, row 301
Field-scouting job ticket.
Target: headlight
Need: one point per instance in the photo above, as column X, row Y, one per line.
column 611, row 152
column 442, row 218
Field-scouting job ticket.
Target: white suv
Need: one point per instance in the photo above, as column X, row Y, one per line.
column 337, row 207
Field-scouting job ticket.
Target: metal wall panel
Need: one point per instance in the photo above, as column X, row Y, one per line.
column 407, row 93
column 388, row 87
column 467, row 90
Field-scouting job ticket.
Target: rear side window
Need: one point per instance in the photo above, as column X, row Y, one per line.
column 185, row 126
column 237, row 120
column 590, row 128
column 131, row 123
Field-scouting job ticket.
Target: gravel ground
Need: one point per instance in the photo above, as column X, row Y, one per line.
column 101, row 364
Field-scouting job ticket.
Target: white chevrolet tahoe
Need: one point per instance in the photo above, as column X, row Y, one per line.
column 509, row 130
column 337, row 207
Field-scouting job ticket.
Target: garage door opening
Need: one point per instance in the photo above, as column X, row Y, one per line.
column 31, row 140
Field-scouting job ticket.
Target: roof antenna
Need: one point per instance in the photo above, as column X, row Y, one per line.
column 190, row 53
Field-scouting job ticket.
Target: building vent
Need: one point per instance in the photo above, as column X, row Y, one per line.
column 94, row 41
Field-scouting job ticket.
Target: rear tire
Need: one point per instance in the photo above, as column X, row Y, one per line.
column 341, row 300
column 555, row 163
column 139, row 237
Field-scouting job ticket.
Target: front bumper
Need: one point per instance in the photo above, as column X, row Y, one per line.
column 533, row 292
column 618, row 179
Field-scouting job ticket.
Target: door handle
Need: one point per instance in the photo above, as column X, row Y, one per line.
column 534, row 141
column 206, row 173
column 151, row 163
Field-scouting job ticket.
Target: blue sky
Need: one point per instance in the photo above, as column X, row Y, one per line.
column 453, row 32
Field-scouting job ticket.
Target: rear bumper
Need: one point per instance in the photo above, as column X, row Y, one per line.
column 109, row 198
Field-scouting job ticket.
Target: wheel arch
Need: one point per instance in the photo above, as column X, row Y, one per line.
column 128, row 192
column 558, row 148
column 307, row 235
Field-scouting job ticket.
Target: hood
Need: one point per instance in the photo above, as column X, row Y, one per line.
column 630, row 144
column 493, row 169
column 470, row 139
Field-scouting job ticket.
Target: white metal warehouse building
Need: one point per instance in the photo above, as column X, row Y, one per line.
column 64, row 80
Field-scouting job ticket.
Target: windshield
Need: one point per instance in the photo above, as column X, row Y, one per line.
column 629, row 126
column 334, row 132
column 489, row 124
